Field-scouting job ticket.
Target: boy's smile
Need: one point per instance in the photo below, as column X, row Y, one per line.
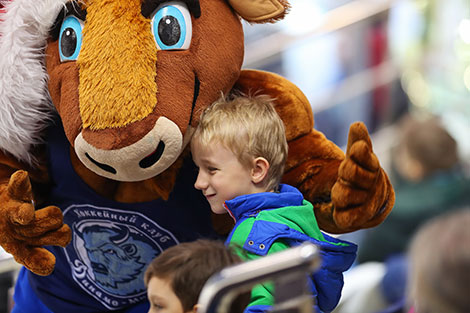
column 221, row 176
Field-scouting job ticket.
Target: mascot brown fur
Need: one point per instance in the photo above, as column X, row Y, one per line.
column 127, row 93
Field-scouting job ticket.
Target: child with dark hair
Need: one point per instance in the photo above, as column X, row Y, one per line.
column 176, row 277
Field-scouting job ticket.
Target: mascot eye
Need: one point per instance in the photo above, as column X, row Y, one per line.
column 171, row 26
column 70, row 38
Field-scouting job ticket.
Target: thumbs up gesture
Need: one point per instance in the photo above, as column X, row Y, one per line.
column 362, row 195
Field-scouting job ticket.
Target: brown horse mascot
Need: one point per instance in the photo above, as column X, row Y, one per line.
column 98, row 101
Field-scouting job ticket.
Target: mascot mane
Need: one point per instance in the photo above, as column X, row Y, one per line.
column 25, row 105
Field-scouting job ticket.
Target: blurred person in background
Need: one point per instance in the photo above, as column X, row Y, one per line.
column 438, row 272
column 428, row 180
column 439, row 258
column 431, row 276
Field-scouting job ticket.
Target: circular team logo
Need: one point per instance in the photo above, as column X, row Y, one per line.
column 110, row 251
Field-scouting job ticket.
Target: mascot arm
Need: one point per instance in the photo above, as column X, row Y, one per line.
column 348, row 192
column 24, row 230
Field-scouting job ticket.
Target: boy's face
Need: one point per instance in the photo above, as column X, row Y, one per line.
column 162, row 298
column 221, row 176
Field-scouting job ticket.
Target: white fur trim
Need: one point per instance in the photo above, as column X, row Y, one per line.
column 25, row 105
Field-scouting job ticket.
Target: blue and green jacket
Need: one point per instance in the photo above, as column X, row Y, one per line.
column 269, row 222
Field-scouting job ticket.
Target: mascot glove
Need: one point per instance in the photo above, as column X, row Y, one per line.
column 362, row 195
column 23, row 230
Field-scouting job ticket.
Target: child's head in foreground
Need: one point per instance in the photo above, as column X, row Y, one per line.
column 240, row 148
column 176, row 277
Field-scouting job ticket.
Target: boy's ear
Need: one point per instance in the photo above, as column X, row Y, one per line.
column 259, row 170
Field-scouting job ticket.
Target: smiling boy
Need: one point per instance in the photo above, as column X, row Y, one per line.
column 240, row 149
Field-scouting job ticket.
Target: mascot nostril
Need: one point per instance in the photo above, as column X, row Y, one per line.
column 103, row 166
column 146, row 162
column 153, row 157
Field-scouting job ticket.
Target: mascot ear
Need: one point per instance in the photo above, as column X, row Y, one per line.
column 260, row 11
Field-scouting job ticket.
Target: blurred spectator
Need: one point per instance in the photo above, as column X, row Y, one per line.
column 428, row 180
column 439, row 259
column 432, row 276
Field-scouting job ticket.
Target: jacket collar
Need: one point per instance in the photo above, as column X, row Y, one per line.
column 251, row 204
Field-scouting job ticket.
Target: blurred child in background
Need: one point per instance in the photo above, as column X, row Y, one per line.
column 428, row 180
column 439, row 274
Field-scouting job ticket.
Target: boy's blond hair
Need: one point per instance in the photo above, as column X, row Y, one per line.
column 250, row 127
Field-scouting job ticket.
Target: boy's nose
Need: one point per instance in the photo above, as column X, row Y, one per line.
column 200, row 183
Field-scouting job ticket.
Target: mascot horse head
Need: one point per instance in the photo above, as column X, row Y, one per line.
column 128, row 78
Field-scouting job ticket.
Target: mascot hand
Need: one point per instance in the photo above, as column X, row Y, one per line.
column 362, row 196
column 23, row 231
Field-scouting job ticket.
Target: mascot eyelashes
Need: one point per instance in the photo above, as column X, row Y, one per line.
column 98, row 100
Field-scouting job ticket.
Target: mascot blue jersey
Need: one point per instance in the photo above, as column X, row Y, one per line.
column 112, row 243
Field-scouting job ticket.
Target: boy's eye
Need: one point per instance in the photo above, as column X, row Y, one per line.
column 212, row 169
